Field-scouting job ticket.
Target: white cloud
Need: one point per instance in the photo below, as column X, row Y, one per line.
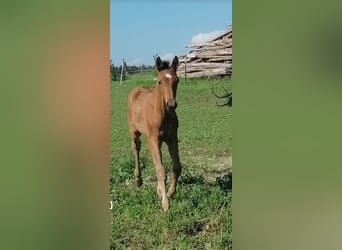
column 206, row 37
column 168, row 57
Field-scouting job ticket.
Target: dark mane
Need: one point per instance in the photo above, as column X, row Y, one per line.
column 165, row 65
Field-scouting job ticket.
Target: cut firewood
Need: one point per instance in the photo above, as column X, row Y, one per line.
column 213, row 58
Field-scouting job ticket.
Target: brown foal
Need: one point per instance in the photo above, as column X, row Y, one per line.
column 151, row 112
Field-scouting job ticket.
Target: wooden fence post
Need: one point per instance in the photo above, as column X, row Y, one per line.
column 122, row 70
column 185, row 70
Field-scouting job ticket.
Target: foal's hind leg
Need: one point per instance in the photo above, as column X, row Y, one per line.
column 136, row 144
column 172, row 145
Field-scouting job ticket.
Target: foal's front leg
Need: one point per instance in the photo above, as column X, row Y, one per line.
column 154, row 145
column 172, row 145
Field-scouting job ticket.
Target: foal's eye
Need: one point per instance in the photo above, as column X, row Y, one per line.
column 159, row 82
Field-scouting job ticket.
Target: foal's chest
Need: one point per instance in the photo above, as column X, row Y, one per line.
column 169, row 126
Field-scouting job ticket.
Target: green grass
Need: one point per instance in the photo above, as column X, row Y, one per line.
column 200, row 215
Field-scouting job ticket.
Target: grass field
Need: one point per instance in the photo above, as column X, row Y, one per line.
column 200, row 215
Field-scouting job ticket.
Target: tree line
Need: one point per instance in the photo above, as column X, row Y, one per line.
column 115, row 70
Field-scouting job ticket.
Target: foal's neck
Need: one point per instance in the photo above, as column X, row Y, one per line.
column 159, row 105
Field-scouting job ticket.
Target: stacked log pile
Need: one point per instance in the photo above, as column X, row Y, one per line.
column 213, row 58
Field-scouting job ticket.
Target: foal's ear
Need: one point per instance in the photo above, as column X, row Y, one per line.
column 159, row 63
column 175, row 63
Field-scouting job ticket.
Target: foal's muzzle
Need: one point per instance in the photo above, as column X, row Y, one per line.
column 172, row 104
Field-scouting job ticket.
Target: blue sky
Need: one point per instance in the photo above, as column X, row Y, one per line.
column 139, row 30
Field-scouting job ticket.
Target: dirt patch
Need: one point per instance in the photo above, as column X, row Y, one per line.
column 205, row 226
column 194, row 228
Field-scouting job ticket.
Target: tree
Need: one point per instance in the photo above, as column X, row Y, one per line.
column 112, row 71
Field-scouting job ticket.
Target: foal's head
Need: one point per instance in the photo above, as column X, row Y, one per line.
column 167, row 81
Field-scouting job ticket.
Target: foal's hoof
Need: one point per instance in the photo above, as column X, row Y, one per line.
column 138, row 182
column 170, row 193
column 165, row 205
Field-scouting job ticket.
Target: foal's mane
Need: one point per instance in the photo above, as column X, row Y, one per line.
column 165, row 65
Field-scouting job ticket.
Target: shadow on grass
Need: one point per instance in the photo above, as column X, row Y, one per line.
column 123, row 170
column 188, row 179
column 225, row 182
